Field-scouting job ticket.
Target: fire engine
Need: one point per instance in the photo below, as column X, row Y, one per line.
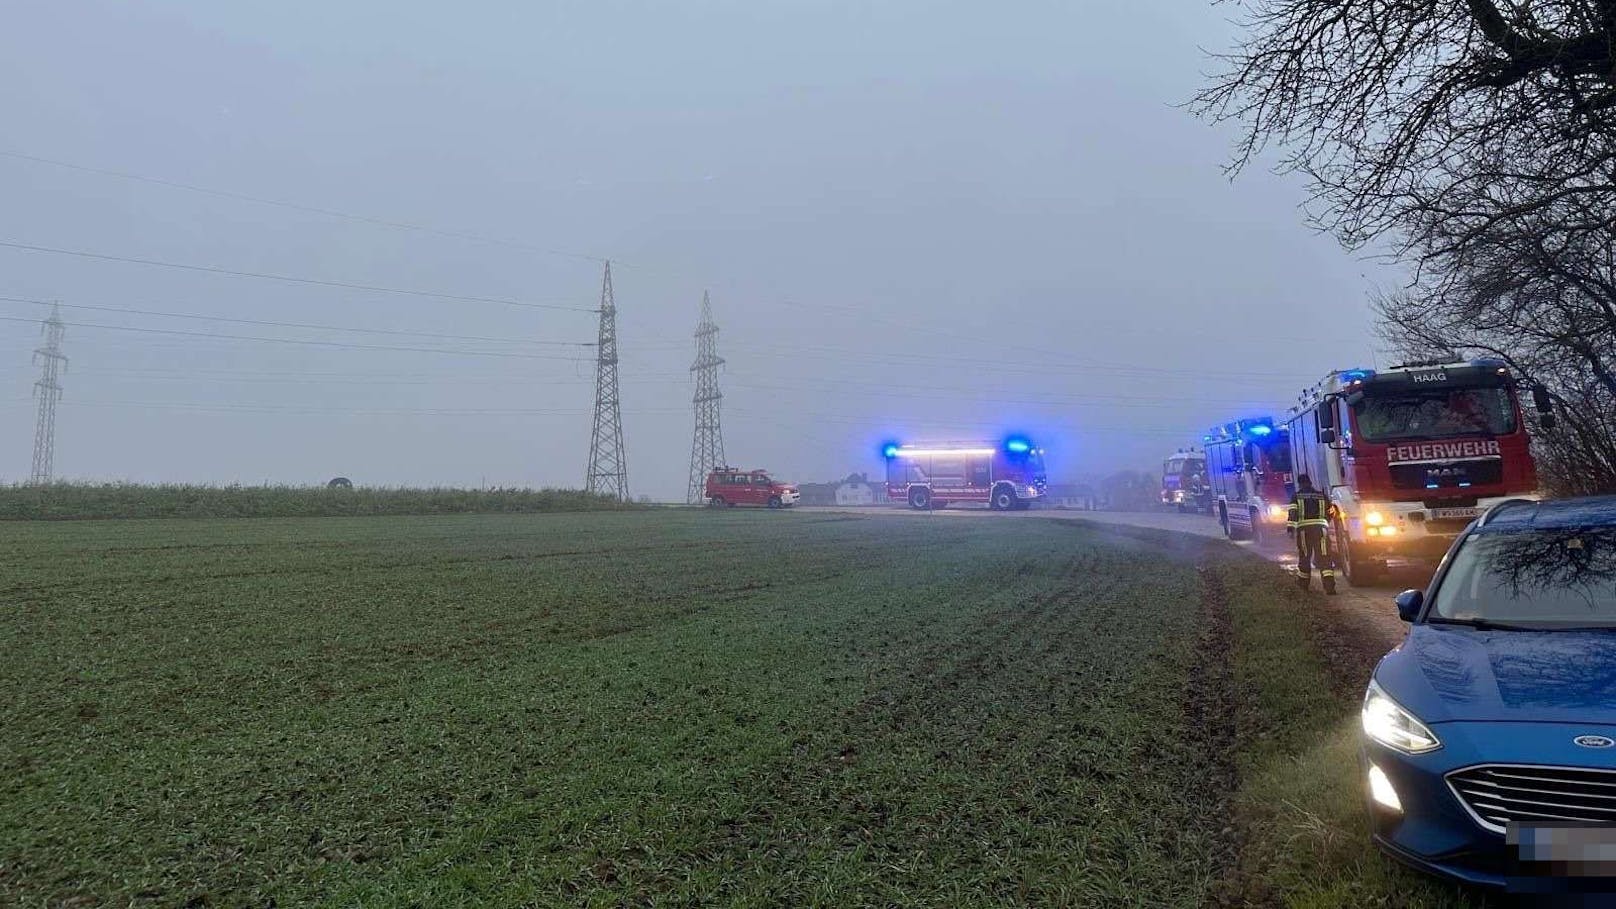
column 1184, row 481
column 1007, row 475
column 1249, row 469
column 1411, row 455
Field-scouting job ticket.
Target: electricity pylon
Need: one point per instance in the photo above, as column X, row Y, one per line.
column 707, row 447
column 608, row 466
column 48, row 390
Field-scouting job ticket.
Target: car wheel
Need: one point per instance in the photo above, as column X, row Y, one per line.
column 774, row 501
column 920, row 499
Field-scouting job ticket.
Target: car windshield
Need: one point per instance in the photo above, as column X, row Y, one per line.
column 1436, row 414
column 1560, row 578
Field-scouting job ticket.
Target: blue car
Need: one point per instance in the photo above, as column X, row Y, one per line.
column 1490, row 735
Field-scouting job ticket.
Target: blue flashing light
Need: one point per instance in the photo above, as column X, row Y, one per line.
column 1017, row 445
column 1261, row 429
column 1431, row 486
column 890, row 450
column 1464, row 484
column 1356, row 375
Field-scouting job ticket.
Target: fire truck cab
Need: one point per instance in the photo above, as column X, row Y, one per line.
column 1007, row 475
column 1249, row 469
column 1411, row 455
column 1184, row 483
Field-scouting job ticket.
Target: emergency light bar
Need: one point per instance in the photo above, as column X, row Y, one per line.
column 1013, row 445
column 930, row 452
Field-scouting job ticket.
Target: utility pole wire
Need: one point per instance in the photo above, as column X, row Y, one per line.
column 341, row 345
column 310, row 325
column 291, row 279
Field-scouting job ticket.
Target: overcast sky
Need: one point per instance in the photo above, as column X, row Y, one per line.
column 917, row 220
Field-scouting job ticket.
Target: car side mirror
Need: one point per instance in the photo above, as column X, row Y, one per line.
column 1409, row 603
column 1327, row 435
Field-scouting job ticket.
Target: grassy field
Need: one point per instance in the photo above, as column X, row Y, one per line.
column 81, row 501
column 686, row 707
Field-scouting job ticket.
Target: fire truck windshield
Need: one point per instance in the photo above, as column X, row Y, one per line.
column 1437, row 413
column 1180, row 466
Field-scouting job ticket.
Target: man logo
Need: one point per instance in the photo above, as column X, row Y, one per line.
column 1594, row 741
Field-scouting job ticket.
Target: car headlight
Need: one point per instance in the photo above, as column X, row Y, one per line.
column 1278, row 512
column 1385, row 721
column 1374, row 518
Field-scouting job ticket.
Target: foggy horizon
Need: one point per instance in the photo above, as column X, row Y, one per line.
column 914, row 224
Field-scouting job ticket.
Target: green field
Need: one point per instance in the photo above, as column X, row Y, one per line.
column 675, row 707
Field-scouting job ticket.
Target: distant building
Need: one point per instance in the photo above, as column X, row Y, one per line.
column 859, row 492
column 853, row 490
column 1071, row 495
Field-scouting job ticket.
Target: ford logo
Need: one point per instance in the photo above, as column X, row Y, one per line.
column 1594, row 741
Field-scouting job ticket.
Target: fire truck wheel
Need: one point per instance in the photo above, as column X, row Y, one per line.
column 774, row 501
column 920, row 499
column 716, row 502
column 1359, row 572
column 1004, row 499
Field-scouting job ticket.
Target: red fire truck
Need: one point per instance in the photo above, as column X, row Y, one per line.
column 1184, row 483
column 1249, row 469
column 1007, row 475
column 1411, row 455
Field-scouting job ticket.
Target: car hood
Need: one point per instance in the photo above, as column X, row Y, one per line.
column 1446, row 674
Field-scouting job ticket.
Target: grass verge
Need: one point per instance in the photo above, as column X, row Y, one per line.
column 1305, row 840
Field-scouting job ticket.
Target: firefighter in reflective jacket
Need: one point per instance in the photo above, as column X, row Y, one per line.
column 1309, row 520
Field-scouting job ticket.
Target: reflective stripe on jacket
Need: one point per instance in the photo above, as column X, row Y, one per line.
column 1310, row 508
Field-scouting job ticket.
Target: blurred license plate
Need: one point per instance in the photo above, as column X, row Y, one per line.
column 1565, row 851
column 1455, row 512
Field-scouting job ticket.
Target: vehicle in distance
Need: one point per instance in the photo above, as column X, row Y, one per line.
column 1007, row 475
column 1489, row 746
column 727, row 486
column 1411, row 455
column 1184, row 484
column 1249, row 469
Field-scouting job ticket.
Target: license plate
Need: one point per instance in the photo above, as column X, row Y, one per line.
column 1565, row 851
column 1455, row 512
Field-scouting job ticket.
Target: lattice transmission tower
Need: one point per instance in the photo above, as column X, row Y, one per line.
column 707, row 447
column 608, row 465
column 48, row 390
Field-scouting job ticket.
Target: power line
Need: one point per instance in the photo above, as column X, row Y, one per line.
column 240, row 407
column 291, row 279
column 294, row 206
column 307, row 342
column 308, row 325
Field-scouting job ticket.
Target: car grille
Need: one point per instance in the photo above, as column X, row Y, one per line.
column 1499, row 795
